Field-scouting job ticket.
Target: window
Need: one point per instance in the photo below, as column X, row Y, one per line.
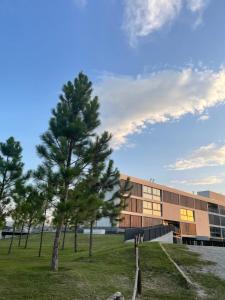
column 186, row 215
column 222, row 210
column 214, row 219
column 223, row 232
column 147, row 205
column 170, row 197
column 186, row 201
column 150, row 208
column 151, row 193
column 156, row 192
column 201, row 205
column 136, row 189
column 213, row 208
column 215, row 231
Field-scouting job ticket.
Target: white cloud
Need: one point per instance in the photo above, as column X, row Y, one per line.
column 128, row 104
column 142, row 17
column 203, row 117
column 196, row 5
column 201, row 181
column 206, row 156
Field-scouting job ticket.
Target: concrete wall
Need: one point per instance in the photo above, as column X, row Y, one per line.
column 202, row 223
column 171, row 212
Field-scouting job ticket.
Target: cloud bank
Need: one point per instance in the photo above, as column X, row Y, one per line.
column 201, row 181
column 143, row 17
column 206, row 156
column 128, row 103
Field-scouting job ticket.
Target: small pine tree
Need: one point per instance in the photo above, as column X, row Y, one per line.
column 46, row 182
column 11, row 173
column 103, row 194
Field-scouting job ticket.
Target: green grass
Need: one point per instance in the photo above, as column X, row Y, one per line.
column 161, row 279
column 25, row 276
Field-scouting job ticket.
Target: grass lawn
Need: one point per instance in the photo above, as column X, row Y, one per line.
column 25, row 276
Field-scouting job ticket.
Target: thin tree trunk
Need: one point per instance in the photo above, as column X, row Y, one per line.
column 21, row 231
column 12, row 238
column 55, row 251
column 64, row 236
column 91, row 239
column 41, row 239
column 28, row 233
column 75, row 237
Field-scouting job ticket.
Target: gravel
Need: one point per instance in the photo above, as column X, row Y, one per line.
column 213, row 254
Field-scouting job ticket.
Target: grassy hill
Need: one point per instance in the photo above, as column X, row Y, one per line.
column 25, row 276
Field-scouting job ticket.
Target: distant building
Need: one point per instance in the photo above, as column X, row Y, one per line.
column 196, row 216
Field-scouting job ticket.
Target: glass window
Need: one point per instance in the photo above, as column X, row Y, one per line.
column 151, row 193
column 186, row 215
column 157, row 213
column 215, row 231
column 147, row 211
column 147, row 204
column 156, row 192
column 147, row 196
column 152, row 208
column 223, row 232
column 213, row 208
column 156, row 206
column 156, row 198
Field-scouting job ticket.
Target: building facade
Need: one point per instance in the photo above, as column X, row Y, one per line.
column 196, row 216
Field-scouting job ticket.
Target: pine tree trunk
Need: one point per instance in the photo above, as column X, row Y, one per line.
column 64, row 236
column 75, row 237
column 28, row 233
column 12, row 238
column 55, row 251
column 21, row 231
column 41, row 239
column 91, row 239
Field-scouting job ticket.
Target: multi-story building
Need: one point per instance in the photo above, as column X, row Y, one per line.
column 200, row 216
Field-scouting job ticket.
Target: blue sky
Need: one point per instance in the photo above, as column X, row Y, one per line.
column 157, row 66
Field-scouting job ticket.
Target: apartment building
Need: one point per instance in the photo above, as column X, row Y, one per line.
column 200, row 216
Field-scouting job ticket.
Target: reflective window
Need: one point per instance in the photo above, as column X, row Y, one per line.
column 150, row 208
column 151, row 193
column 186, row 215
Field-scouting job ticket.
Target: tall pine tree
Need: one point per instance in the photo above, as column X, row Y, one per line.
column 65, row 143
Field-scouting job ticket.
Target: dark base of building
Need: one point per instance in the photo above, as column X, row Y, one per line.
column 200, row 242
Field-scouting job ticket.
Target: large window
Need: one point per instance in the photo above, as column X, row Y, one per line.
column 215, row 231
column 150, row 208
column 151, row 193
column 213, row 208
column 186, row 215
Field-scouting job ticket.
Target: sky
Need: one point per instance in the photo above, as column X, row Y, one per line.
column 158, row 67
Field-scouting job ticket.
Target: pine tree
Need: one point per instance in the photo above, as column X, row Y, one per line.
column 64, row 144
column 46, row 182
column 103, row 194
column 11, row 173
column 32, row 208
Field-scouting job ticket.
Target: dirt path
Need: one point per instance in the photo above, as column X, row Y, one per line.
column 213, row 254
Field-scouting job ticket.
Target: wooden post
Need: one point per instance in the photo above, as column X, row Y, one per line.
column 139, row 285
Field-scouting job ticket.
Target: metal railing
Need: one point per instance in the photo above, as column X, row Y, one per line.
column 149, row 233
